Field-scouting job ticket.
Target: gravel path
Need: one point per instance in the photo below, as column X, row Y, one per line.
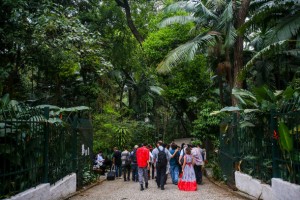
column 120, row 190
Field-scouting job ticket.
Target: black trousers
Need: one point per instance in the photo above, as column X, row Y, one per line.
column 198, row 173
column 160, row 175
column 126, row 170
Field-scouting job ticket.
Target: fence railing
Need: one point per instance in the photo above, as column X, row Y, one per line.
column 255, row 150
column 34, row 151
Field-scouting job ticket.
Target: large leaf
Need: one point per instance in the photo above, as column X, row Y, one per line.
column 5, row 100
column 264, row 94
column 51, row 107
column 230, row 109
column 243, row 95
column 54, row 120
column 244, row 124
column 286, row 29
column 156, row 89
column 285, row 138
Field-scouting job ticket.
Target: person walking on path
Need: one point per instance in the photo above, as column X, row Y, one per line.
column 188, row 180
column 174, row 163
column 150, row 170
column 117, row 162
column 134, row 166
column 197, row 153
column 125, row 157
column 142, row 155
column 161, row 156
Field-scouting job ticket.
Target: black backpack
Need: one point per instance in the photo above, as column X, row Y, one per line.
column 162, row 157
column 133, row 157
column 176, row 158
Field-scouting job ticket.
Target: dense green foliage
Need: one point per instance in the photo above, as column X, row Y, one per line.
column 70, row 53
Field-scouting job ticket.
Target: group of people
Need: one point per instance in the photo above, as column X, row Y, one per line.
column 184, row 164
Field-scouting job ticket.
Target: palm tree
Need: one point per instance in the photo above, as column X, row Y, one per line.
column 215, row 26
column 276, row 40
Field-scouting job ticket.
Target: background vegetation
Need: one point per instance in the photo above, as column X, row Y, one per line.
column 148, row 69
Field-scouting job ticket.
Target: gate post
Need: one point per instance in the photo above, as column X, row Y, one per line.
column 236, row 136
column 46, row 146
column 274, row 135
column 74, row 138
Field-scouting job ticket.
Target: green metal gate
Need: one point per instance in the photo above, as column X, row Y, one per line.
column 33, row 151
column 255, row 150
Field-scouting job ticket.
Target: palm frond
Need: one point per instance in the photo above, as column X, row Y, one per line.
column 285, row 29
column 230, row 36
column 177, row 19
column 187, row 51
column 292, row 52
column 278, row 47
column 188, row 6
column 202, row 10
column 257, row 41
column 263, row 11
column 216, row 5
column 226, row 16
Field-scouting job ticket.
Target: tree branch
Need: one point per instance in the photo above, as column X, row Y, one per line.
column 124, row 4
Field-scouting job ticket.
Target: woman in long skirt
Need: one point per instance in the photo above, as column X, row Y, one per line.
column 188, row 180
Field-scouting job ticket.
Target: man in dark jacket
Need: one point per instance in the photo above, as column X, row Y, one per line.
column 134, row 166
column 117, row 162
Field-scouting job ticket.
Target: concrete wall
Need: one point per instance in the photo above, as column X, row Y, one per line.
column 63, row 187
column 280, row 190
column 285, row 190
column 59, row 190
column 40, row 192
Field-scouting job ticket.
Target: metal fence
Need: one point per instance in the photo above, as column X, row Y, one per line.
column 255, row 150
column 33, row 151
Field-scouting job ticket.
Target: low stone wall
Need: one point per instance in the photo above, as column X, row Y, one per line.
column 285, row 190
column 280, row 190
column 59, row 190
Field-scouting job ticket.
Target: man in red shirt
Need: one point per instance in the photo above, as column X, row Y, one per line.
column 142, row 156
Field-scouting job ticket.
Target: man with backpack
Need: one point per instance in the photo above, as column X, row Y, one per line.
column 134, row 166
column 125, row 157
column 161, row 157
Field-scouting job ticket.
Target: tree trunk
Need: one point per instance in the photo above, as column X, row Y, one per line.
column 124, row 4
column 238, row 47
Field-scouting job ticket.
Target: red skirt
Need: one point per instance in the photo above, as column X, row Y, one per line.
column 187, row 185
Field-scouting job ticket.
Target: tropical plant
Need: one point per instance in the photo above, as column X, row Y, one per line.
column 273, row 30
column 206, row 127
column 220, row 19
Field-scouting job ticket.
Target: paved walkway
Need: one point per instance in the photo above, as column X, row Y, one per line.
column 120, row 190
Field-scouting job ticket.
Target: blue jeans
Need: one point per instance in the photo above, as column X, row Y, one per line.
column 134, row 168
column 174, row 171
column 118, row 169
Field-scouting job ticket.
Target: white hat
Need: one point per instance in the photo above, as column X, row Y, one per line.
column 136, row 146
